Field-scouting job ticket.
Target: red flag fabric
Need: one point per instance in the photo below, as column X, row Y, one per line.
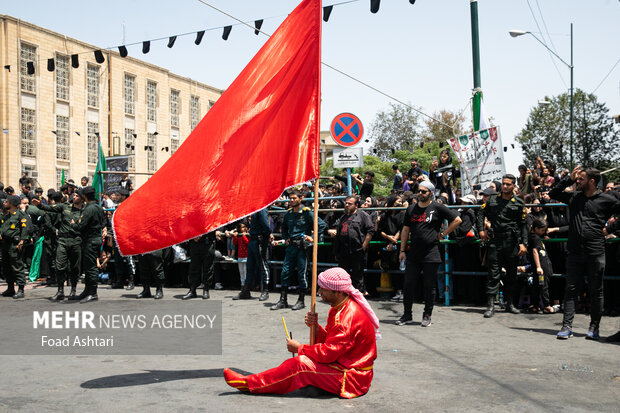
column 260, row 137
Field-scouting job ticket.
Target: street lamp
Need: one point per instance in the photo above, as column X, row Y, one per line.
column 517, row 33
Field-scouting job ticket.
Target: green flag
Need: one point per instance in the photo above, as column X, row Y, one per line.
column 98, row 179
column 35, row 266
column 481, row 121
column 62, row 178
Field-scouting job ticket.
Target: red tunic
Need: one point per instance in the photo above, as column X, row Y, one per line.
column 341, row 361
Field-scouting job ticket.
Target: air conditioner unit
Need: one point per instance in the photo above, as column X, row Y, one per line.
column 34, row 174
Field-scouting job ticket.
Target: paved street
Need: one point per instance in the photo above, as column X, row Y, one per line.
column 462, row 362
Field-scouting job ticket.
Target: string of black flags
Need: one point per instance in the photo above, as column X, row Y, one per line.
column 146, row 44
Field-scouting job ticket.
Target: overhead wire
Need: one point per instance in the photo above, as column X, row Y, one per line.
column 545, row 26
column 543, row 41
column 606, row 76
column 340, row 71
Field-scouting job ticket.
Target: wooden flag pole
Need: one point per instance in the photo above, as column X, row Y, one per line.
column 315, row 249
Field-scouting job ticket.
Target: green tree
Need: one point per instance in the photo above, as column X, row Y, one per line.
column 384, row 174
column 547, row 132
column 437, row 129
column 396, row 128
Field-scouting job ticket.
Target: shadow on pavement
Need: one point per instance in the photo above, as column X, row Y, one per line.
column 546, row 331
column 393, row 322
column 472, row 310
column 149, row 377
column 305, row 392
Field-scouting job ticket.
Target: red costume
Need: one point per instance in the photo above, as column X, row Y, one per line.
column 341, row 361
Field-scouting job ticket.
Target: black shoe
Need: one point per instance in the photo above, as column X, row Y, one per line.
column 490, row 307
column 512, row 309
column 190, row 294
column 592, row 333
column 146, row 293
column 82, row 295
column 205, row 294
column 159, row 293
column 60, row 295
column 72, row 293
column 130, row 286
column 9, row 292
column 300, row 303
column 264, row 296
column 19, row 294
column 244, row 294
column 282, row 302
column 404, row 319
column 89, row 298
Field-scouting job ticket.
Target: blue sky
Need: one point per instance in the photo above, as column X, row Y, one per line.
column 419, row 53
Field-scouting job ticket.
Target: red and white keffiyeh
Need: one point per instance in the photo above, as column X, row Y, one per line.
column 337, row 279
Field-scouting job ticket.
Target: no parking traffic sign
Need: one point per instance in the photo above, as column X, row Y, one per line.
column 347, row 129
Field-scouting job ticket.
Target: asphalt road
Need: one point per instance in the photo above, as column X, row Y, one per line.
column 462, row 362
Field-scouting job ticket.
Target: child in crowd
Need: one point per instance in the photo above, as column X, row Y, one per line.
column 241, row 241
column 540, row 264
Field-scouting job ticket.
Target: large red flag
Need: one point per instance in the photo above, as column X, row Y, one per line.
column 260, row 137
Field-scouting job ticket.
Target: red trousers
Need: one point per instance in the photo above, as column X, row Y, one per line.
column 302, row 371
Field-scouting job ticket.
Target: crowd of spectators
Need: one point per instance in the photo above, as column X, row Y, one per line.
column 363, row 231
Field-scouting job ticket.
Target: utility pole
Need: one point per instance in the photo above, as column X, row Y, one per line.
column 475, row 48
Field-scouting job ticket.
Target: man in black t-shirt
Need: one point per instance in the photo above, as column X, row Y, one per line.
column 353, row 234
column 415, row 169
column 423, row 221
column 589, row 209
column 366, row 185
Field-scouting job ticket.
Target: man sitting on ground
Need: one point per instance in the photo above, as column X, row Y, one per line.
column 341, row 361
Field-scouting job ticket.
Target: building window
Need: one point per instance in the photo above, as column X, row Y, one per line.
column 130, row 147
column 151, row 101
column 174, row 144
column 58, row 178
column 62, row 138
column 130, row 94
column 28, row 140
column 92, row 80
column 27, row 54
column 194, row 109
column 93, row 147
column 174, row 108
column 62, row 77
column 30, row 171
column 151, row 152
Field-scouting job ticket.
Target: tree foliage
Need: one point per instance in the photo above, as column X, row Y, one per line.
column 397, row 128
column 438, row 130
column 382, row 169
column 547, row 133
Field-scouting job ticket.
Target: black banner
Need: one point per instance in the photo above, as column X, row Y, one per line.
column 111, row 182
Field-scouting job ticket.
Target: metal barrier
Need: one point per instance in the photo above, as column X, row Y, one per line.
column 447, row 270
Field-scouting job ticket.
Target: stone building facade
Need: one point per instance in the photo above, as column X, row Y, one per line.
column 53, row 113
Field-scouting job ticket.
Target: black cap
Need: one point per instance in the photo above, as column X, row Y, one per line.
column 14, row 200
column 86, row 191
column 489, row 191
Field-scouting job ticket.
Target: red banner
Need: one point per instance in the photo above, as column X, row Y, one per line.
column 260, row 137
